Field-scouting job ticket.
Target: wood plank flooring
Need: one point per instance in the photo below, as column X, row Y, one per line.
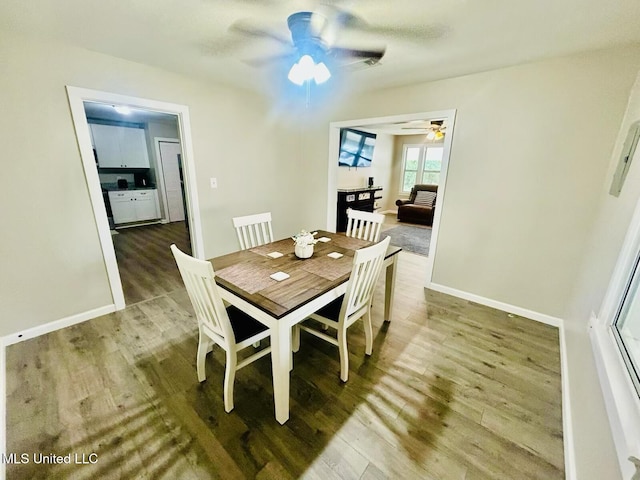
column 453, row 390
column 146, row 265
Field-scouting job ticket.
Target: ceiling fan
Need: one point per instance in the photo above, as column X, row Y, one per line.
column 435, row 129
column 312, row 49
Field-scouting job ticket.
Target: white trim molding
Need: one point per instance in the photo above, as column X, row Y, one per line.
column 449, row 116
column 56, row 325
column 620, row 396
column 567, row 417
column 26, row 335
column 77, row 97
column 523, row 312
column 162, row 189
column 3, row 406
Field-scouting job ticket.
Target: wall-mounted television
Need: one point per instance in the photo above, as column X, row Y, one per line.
column 356, row 148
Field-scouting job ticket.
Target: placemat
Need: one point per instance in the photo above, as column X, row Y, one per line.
column 349, row 242
column 285, row 247
column 249, row 277
column 327, row 267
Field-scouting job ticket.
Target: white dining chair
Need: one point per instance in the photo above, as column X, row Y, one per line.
column 353, row 305
column 253, row 230
column 229, row 327
column 364, row 225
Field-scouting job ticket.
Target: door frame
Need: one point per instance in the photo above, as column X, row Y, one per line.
column 334, row 147
column 160, row 173
column 77, row 96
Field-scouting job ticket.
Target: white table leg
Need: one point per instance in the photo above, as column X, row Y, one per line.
column 280, row 360
column 389, row 287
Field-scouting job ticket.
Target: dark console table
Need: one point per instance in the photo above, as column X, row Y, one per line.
column 356, row 198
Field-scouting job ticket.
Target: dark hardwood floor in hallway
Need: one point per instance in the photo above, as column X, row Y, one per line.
column 147, row 268
column 453, row 390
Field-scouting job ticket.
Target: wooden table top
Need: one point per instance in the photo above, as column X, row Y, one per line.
column 247, row 273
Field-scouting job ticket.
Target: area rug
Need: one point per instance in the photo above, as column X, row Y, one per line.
column 411, row 239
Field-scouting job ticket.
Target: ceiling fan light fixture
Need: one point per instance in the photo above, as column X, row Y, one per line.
column 306, row 69
column 321, row 73
column 306, row 63
column 295, row 75
column 302, row 71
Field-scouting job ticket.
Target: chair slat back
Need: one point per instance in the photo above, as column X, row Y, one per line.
column 199, row 279
column 253, row 230
column 364, row 225
column 367, row 265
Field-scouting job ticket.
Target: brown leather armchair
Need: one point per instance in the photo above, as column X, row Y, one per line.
column 422, row 214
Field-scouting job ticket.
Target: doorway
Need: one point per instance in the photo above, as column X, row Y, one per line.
column 408, row 120
column 77, row 98
column 171, row 179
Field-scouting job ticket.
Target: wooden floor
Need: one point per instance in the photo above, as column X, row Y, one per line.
column 454, row 390
column 146, row 265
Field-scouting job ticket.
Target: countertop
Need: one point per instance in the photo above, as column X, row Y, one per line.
column 114, row 188
column 359, row 189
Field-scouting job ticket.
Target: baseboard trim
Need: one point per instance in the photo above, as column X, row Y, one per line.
column 26, row 335
column 567, row 422
column 523, row 312
column 567, row 419
column 56, row 325
column 3, row 407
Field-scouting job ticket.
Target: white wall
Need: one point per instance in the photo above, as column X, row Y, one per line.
column 611, row 221
column 530, row 153
column 52, row 265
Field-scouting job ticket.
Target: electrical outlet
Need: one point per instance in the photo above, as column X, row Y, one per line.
column 214, row 182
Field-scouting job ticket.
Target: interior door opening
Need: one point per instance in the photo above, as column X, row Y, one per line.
column 420, row 144
column 124, row 178
column 143, row 193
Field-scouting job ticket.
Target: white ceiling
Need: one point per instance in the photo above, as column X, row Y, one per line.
column 425, row 39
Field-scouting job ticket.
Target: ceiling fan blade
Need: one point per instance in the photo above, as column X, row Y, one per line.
column 345, row 20
column 272, row 59
column 411, row 33
column 246, row 28
column 371, row 55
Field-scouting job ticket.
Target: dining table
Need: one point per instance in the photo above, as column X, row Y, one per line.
column 246, row 280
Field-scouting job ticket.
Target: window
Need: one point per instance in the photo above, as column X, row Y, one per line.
column 615, row 337
column 626, row 326
column 421, row 164
column 356, row 148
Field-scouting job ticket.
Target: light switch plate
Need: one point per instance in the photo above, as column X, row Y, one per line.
column 214, row 182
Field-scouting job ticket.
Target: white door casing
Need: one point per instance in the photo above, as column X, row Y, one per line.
column 334, row 147
column 77, row 96
column 168, row 157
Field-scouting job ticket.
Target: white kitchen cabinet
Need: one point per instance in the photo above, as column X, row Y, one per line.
column 122, row 207
column 134, row 205
column 120, row 147
column 146, row 204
